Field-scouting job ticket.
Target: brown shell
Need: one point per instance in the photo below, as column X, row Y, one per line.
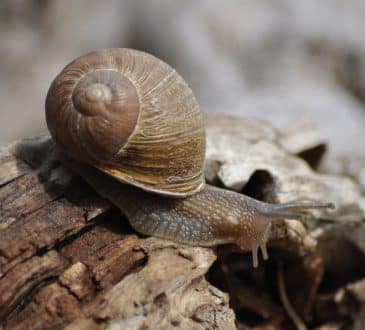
column 132, row 116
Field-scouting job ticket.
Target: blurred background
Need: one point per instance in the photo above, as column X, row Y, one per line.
column 294, row 63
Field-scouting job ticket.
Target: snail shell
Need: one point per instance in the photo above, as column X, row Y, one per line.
column 132, row 116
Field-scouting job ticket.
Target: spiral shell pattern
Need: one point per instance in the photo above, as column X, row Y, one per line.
column 132, row 116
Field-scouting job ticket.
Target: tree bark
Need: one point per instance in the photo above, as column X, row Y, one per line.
column 69, row 259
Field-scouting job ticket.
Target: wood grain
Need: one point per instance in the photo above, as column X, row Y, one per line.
column 69, row 259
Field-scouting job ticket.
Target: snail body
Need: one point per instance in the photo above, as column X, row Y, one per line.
column 133, row 117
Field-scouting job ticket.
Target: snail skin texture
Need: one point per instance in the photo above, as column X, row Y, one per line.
column 131, row 116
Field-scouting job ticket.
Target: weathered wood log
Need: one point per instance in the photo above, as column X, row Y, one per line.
column 69, row 259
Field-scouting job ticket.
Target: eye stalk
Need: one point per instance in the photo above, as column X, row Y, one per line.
column 266, row 213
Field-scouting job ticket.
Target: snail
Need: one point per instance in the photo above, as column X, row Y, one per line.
column 130, row 115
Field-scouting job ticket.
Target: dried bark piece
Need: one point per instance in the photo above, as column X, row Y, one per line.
column 228, row 138
column 10, row 166
column 87, row 247
column 304, row 139
column 77, row 285
column 44, row 228
column 32, row 191
column 78, row 280
column 108, row 261
column 159, row 298
column 293, row 179
column 241, row 156
column 17, row 283
column 52, row 306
